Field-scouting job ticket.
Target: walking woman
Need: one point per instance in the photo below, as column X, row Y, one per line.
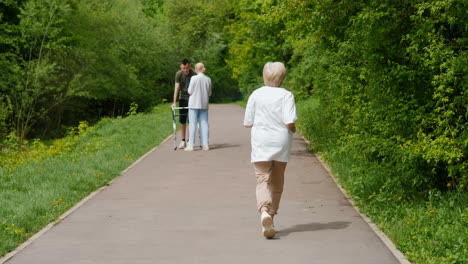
column 271, row 113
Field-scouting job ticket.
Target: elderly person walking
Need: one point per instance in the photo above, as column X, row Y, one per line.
column 200, row 91
column 271, row 113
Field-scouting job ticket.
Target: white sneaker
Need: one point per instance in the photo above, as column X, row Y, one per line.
column 267, row 225
column 182, row 145
column 206, row 147
column 188, row 149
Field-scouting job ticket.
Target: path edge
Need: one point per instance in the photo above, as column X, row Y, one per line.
column 383, row 237
column 49, row 226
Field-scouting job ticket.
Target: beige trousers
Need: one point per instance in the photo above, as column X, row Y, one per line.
column 270, row 182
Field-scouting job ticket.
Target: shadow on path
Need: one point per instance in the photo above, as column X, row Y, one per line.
column 224, row 145
column 313, row 227
column 301, row 153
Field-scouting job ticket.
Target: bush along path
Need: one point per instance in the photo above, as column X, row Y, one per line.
column 426, row 224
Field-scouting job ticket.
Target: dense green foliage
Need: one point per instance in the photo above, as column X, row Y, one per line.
column 428, row 226
column 390, row 78
column 201, row 37
column 71, row 168
column 66, row 61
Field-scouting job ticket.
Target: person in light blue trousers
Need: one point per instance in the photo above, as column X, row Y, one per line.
column 199, row 91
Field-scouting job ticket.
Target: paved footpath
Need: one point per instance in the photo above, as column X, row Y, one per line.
column 199, row 207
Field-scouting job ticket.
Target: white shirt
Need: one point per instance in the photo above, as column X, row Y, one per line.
column 269, row 110
column 199, row 90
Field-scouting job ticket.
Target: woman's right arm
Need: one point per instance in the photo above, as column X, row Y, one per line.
column 249, row 113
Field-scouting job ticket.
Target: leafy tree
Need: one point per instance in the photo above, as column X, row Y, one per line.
column 253, row 36
column 9, row 68
column 201, row 36
column 40, row 28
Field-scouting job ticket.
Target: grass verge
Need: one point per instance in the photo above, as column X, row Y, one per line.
column 428, row 226
column 36, row 188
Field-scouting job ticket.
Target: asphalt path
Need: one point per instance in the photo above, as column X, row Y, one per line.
column 199, row 207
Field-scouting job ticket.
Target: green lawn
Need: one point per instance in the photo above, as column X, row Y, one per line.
column 37, row 187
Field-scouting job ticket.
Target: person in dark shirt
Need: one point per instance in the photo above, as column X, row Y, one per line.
column 182, row 82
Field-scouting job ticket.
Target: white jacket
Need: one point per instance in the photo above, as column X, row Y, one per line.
column 199, row 90
column 269, row 111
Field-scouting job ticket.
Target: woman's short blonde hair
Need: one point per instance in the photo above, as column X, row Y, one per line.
column 200, row 67
column 273, row 73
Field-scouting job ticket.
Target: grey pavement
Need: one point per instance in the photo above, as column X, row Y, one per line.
column 199, row 207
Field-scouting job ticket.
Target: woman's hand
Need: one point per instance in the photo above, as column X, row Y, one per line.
column 292, row 127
